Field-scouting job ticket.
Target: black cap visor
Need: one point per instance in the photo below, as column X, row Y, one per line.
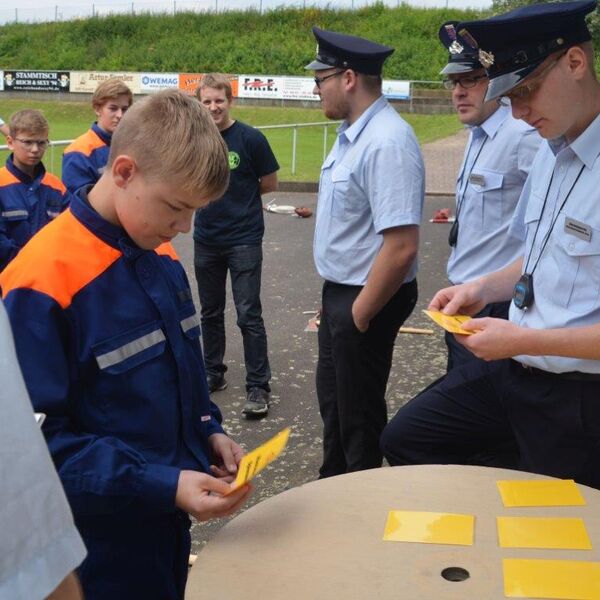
column 317, row 65
column 501, row 84
column 457, row 66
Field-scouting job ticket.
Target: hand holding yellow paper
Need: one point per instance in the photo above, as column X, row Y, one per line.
column 429, row 528
column 451, row 323
column 256, row 460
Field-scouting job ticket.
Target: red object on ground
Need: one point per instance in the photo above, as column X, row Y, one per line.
column 441, row 216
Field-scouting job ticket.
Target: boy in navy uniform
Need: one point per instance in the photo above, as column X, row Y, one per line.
column 108, row 340
column 496, row 164
column 366, row 237
column 29, row 196
column 228, row 237
column 540, row 387
column 85, row 158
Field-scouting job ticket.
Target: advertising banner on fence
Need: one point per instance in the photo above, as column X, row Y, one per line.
column 36, row 81
column 299, row 88
column 260, row 86
column 154, row 82
column 188, row 83
column 86, row 82
column 396, row 90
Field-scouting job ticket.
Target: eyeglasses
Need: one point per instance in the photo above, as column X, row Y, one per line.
column 527, row 89
column 320, row 80
column 464, row 82
column 29, row 144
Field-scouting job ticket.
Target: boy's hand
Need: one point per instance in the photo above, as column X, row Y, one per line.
column 199, row 495
column 227, row 453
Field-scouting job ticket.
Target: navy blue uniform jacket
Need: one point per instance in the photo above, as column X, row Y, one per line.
column 108, row 340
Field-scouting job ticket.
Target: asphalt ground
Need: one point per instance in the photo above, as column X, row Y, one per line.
column 291, row 286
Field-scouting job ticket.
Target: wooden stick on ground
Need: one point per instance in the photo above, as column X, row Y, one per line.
column 417, row 330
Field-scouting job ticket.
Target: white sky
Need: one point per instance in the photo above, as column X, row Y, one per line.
column 45, row 10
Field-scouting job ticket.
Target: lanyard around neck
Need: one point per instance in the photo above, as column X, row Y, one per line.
column 464, row 188
column 547, row 236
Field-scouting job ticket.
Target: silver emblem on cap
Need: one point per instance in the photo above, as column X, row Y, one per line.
column 486, row 59
column 455, row 48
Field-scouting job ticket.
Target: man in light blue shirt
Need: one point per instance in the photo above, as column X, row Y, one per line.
column 541, row 386
column 370, row 203
column 496, row 164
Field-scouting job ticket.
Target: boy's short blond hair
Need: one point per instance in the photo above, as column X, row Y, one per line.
column 173, row 138
column 216, row 81
column 28, row 120
column 110, row 89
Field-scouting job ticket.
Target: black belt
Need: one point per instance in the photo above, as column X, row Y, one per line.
column 569, row 375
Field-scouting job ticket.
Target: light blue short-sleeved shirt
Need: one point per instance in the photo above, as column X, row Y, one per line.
column 372, row 180
column 498, row 158
column 39, row 543
column 566, row 281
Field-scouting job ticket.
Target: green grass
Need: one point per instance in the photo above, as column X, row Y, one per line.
column 70, row 119
column 277, row 41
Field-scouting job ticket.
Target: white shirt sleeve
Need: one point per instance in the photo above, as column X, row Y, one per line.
column 39, row 543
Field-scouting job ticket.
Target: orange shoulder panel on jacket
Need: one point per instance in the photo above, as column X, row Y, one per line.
column 60, row 260
column 54, row 182
column 168, row 250
column 85, row 143
column 7, row 178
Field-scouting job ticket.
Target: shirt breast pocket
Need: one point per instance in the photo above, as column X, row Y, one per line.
column 486, row 185
column 342, row 206
column 574, row 280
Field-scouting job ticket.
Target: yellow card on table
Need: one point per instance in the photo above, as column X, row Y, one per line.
column 429, row 528
column 565, row 579
column 254, row 462
column 451, row 323
column 543, row 532
column 540, row 492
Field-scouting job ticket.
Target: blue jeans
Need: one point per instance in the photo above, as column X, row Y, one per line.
column 244, row 263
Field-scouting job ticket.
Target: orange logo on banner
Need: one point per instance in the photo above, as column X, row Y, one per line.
column 188, row 82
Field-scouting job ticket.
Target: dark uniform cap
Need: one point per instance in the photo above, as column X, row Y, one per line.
column 513, row 45
column 348, row 52
column 462, row 57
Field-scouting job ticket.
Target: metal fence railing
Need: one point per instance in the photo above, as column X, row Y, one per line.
column 301, row 155
column 51, row 161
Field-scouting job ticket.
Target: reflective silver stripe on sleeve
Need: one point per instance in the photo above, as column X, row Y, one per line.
column 130, row 349
column 190, row 323
column 14, row 213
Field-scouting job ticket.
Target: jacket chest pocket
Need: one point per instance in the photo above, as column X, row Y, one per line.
column 485, row 186
column 136, row 389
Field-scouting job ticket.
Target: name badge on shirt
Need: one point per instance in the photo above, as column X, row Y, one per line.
column 578, row 229
column 476, row 179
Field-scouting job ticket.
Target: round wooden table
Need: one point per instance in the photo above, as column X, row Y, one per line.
column 323, row 540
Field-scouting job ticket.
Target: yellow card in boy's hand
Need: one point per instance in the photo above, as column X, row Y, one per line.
column 254, row 462
column 451, row 323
